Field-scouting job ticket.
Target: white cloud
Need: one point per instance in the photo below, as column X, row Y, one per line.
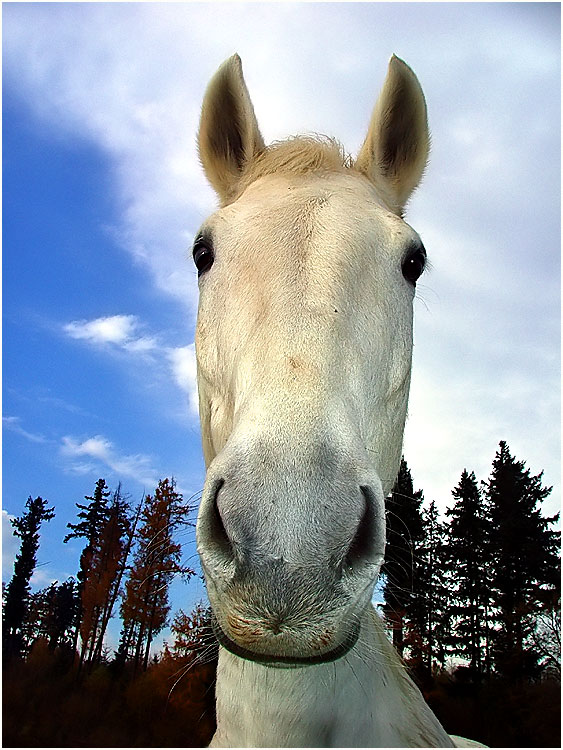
column 129, row 87
column 102, row 451
column 141, row 345
column 42, row 578
column 184, row 369
column 13, row 424
column 457, row 422
column 123, row 333
column 114, row 329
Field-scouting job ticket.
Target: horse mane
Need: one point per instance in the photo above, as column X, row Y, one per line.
column 298, row 155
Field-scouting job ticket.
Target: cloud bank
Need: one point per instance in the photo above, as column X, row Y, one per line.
column 129, row 78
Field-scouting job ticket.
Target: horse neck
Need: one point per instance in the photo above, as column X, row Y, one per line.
column 363, row 699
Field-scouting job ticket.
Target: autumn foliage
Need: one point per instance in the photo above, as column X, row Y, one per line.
column 171, row 704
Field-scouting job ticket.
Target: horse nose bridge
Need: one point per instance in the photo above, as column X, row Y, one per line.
column 288, row 515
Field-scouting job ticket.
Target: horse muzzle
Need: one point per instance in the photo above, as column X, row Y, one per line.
column 290, row 556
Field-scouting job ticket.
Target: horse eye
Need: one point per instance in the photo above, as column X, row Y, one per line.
column 413, row 265
column 203, row 256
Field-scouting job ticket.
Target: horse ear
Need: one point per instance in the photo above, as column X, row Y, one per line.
column 396, row 148
column 228, row 136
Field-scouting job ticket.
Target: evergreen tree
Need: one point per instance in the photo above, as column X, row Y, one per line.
column 101, row 587
column 52, row 614
column 157, row 561
column 17, row 595
column 526, row 565
column 93, row 517
column 404, row 532
column 469, row 555
column 429, row 609
column 64, row 606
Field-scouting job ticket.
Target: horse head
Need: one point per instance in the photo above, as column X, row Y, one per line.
column 307, row 276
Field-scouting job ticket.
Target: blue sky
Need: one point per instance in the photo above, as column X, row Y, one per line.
column 103, row 194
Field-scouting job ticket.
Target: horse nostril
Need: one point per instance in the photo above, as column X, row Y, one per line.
column 364, row 548
column 216, row 530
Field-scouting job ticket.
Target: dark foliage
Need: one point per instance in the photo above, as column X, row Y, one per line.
column 17, row 594
column 47, row 705
column 429, row 613
column 497, row 712
column 404, row 532
column 482, row 589
column 469, row 552
column 93, row 517
column 53, row 612
column 525, row 562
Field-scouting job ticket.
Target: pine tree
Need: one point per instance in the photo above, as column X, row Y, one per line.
column 469, row 554
column 52, row 614
column 100, row 589
column 526, row 565
column 93, row 517
column 17, row 595
column 157, row 561
column 64, row 605
column 429, row 610
column 404, row 532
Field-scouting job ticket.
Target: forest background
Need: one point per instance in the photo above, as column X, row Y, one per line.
column 471, row 602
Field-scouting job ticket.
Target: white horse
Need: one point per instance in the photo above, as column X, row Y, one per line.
column 307, row 277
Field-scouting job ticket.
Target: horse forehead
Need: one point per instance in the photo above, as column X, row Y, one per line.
column 346, row 202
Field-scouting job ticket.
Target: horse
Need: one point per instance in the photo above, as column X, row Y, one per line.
column 306, row 274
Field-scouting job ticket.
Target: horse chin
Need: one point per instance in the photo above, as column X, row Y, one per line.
column 288, row 660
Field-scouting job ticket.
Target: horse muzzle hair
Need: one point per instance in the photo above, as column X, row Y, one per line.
column 291, row 547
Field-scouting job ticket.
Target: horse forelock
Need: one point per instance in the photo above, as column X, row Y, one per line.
column 298, row 156
column 303, row 155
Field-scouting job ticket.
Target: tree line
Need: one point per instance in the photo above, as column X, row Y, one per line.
column 471, row 601
column 129, row 556
column 480, row 587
